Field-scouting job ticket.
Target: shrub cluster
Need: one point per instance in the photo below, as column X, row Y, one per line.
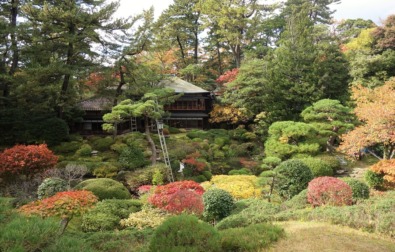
column 318, row 167
column 293, row 177
column 360, row 190
column 146, row 218
column 185, row 233
column 386, row 168
column 104, row 188
column 107, row 214
column 50, row 186
column 132, row 158
column 329, row 191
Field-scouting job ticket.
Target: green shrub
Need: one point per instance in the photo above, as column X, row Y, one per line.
column 293, row 177
column 66, row 243
column 198, row 134
column 157, row 177
column 296, row 202
column 140, row 177
column 107, row 214
column 256, row 237
column 118, row 147
column 52, row 131
column 28, row 233
column 132, row 158
column 106, row 171
column 257, row 211
column 67, row 147
column 105, row 188
column 174, row 130
column 120, row 241
column 332, row 161
column 221, row 141
column 50, row 186
column 207, row 174
column 318, row 167
column 374, row 180
column 199, row 178
column 360, row 190
column 103, row 144
column 218, row 204
column 185, row 233
column 242, row 171
column 84, row 151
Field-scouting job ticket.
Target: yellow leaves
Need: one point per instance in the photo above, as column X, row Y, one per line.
column 147, row 217
column 239, row 186
column 387, row 168
column 227, row 113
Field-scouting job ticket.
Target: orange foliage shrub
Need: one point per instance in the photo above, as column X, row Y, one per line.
column 386, row 168
column 63, row 204
column 27, row 160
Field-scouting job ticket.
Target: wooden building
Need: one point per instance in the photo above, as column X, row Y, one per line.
column 191, row 110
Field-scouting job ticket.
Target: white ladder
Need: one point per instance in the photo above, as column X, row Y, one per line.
column 162, row 140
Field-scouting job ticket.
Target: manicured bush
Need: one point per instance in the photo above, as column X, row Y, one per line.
column 318, row 167
column 132, row 158
column 118, row 147
column 157, row 177
column 146, row 218
column 51, row 131
column 102, row 144
column 106, row 171
column 26, row 160
column 329, row 191
column 374, row 180
column 293, row 177
column 257, row 211
column 239, row 186
column 332, row 161
column 242, row 171
column 69, row 243
column 386, row 168
column 207, row 174
column 28, row 233
column 139, row 177
column 84, row 151
column 198, row 134
column 178, row 197
column 218, row 204
column 107, row 214
column 297, row 202
column 67, row 147
column 105, row 188
column 256, row 237
column 50, row 186
column 185, row 233
column 360, row 190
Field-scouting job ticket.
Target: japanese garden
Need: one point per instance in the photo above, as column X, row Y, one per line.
column 219, row 125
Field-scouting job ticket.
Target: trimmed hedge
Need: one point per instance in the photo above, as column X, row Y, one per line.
column 105, row 188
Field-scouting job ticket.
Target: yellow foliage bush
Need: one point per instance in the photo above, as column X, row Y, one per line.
column 147, row 218
column 239, row 186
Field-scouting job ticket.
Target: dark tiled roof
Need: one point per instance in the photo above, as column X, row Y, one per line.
column 96, row 104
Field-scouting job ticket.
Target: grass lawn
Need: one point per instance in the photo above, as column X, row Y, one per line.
column 315, row 236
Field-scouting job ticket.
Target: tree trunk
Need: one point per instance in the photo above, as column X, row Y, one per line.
column 66, row 79
column 181, row 49
column 63, row 224
column 150, row 141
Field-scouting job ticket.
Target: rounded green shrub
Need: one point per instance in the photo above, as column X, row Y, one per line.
column 374, row 180
column 207, row 174
column 185, row 233
column 105, row 188
column 67, row 147
column 218, row 204
column 360, row 190
column 106, row 171
column 254, row 237
column 318, row 167
column 242, row 171
column 293, row 177
column 50, row 186
column 107, row 214
column 84, row 151
column 103, row 144
column 132, row 158
column 332, row 161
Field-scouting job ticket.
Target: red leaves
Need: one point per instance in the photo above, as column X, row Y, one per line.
column 195, row 164
column 27, row 159
column 178, row 197
column 64, row 204
column 329, row 191
column 228, row 76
